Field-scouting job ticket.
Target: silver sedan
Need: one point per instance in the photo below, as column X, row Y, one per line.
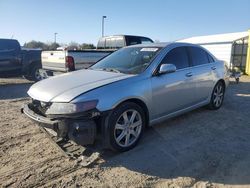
column 135, row 87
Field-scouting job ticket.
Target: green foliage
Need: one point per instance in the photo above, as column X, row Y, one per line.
column 54, row 46
column 87, row 46
column 73, row 46
column 76, row 46
column 36, row 44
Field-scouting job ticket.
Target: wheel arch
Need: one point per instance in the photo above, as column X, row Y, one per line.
column 141, row 103
column 223, row 82
column 215, row 83
column 28, row 68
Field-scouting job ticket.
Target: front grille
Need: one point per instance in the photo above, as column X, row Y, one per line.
column 40, row 107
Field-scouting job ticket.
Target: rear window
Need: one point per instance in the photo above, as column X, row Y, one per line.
column 198, row 56
column 132, row 40
column 9, row 45
column 145, row 40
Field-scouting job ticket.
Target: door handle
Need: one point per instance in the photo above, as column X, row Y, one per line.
column 213, row 67
column 189, row 74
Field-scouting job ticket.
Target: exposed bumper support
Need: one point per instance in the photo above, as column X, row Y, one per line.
column 82, row 131
column 46, row 122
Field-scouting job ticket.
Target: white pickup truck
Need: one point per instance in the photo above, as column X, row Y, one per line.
column 61, row 61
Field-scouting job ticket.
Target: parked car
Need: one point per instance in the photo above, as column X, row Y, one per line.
column 16, row 61
column 135, row 87
column 61, row 61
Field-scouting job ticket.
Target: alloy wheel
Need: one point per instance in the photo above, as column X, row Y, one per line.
column 128, row 128
column 38, row 75
column 218, row 95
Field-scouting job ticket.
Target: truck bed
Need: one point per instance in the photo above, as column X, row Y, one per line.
column 56, row 60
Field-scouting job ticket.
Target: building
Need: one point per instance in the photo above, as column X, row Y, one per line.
column 233, row 48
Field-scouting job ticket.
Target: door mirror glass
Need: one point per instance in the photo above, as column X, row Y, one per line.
column 167, row 68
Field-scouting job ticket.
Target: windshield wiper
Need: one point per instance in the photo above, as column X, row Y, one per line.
column 111, row 70
column 106, row 69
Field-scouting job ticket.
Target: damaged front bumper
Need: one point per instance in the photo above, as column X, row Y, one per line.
column 80, row 129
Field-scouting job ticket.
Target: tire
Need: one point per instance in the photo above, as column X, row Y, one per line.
column 125, row 126
column 34, row 74
column 217, row 97
column 237, row 80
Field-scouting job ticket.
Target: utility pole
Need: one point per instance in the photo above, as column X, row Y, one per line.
column 103, row 17
column 55, row 36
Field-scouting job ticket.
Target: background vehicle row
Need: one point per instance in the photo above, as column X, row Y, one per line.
column 16, row 61
column 61, row 61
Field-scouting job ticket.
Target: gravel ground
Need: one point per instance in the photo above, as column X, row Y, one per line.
column 202, row 148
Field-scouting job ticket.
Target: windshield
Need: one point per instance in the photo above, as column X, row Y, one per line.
column 127, row 60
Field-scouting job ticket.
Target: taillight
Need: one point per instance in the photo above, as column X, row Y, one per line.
column 70, row 64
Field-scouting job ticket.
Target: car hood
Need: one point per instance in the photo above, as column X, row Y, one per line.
column 65, row 87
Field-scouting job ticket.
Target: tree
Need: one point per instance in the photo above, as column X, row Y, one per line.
column 73, row 46
column 36, row 44
column 53, row 46
column 87, row 46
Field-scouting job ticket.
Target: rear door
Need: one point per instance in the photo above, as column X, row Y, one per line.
column 203, row 68
column 10, row 60
column 173, row 91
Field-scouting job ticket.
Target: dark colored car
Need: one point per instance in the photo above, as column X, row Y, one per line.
column 16, row 61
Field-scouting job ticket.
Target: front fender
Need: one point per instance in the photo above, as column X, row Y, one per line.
column 110, row 96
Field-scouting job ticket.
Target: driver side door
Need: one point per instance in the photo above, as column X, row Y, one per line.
column 172, row 92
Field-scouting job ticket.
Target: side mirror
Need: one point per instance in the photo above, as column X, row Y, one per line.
column 167, row 68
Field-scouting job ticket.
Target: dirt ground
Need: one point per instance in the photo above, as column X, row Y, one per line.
column 200, row 149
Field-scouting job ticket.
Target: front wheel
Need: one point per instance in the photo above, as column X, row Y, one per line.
column 125, row 126
column 217, row 96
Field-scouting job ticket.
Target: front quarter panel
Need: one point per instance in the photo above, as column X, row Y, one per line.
column 110, row 96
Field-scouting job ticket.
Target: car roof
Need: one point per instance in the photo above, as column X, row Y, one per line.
column 162, row 44
column 121, row 35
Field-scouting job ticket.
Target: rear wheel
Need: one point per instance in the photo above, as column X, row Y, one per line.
column 217, row 96
column 126, row 125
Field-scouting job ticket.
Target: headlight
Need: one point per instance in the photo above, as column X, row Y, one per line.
column 71, row 108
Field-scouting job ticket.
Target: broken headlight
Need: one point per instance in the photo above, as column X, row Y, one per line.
column 71, row 108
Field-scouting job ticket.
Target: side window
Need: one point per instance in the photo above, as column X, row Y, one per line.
column 9, row 46
column 145, row 40
column 198, row 56
column 178, row 56
column 131, row 40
